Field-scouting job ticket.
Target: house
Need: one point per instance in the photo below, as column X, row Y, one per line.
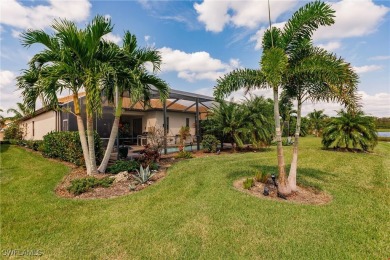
column 180, row 109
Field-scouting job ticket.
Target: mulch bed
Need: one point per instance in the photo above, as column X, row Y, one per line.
column 304, row 195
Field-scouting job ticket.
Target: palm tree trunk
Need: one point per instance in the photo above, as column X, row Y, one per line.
column 91, row 144
column 292, row 177
column 114, row 132
column 83, row 138
column 283, row 186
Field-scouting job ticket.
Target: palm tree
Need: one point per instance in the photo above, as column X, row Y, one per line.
column 72, row 59
column 350, row 129
column 19, row 112
column 128, row 75
column 317, row 121
column 278, row 46
column 227, row 118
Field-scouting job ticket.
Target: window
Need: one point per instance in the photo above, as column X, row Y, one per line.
column 187, row 122
column 65, row 125
column 167, row 124
column 33, row 128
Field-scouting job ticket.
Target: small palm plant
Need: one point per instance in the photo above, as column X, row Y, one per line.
column 143, row 175
column 350, row 129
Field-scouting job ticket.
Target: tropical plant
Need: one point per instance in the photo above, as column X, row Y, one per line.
column 317, row 121
column 122, row 165
column 227, row 118
column 184, row 132
column 289, row 61
column 79, row 186
column 248, row 183
column 350, row 130
column 13, row 131
column 127, row 74
column 210, row 143
column 143, row 175
column 72, row 59
column 19, row 112
column 184, row 155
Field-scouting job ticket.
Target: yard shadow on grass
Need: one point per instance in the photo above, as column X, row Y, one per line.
column 4, row 147
column 306, row 177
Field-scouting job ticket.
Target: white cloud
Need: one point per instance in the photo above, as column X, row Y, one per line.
column 216, row 14
column 367, row 68
column 380, row 58
column 330, row 46
column 195, row 66
column 14, row 13
column 9, row 95
column 15, row 33
column 258, row 37
column 147, row 37
column 353, row 18
column 112, row 38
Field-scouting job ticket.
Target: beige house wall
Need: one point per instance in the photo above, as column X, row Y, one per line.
column 35, row 128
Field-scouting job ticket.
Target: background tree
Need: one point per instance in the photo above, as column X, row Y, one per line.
column 19, row 112
column 317, row 121
column 350, row 130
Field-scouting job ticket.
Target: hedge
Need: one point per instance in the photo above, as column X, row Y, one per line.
column 67, row 147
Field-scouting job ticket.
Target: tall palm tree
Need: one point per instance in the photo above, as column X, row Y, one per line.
column 128, row 75
column 72, row 59
column 278, row 46
column 350, row 129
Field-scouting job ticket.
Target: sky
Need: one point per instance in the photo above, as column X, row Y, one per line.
column 201, row 41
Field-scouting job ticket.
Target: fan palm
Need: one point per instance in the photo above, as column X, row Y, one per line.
column 350, row 129
column 278, row 47
column 128, row 75
column 72, row 59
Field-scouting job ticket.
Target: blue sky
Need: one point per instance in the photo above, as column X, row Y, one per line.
column 202, row 40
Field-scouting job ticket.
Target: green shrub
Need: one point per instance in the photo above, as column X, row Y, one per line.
column 154, row 166
column 67, row 147
column 120, row 166
column 13, row 131
column 80, row 186
column 210, row 143
column 123, row 151
column 248, row 183
column 184, row 155
column 34, row 145
column 261, row 176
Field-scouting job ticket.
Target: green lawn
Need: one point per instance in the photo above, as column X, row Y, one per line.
column 196, row 213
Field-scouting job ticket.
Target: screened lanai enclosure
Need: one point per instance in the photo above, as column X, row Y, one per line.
column 140, row 119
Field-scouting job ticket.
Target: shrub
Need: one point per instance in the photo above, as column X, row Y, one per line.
column 210, row 143
column 123, row 151
column 80, row 186
column 120, row 166
column 184, row 155
column 148, row 156
column 248, row 183
column 143, row 175
column 13, row 131
column 34, row 145
column 154, row 166
column 261, row 176
column 67, row 147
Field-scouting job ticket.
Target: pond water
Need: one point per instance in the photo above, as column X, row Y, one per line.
column 384, row 134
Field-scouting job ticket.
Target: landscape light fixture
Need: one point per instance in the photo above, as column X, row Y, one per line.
column 274, row 180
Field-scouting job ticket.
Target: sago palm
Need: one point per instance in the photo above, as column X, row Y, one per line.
column 350, row 130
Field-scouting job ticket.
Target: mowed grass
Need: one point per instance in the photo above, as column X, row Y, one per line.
column 195, row 213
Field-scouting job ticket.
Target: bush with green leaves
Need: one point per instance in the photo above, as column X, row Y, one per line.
column 13, row 131
column 122, row 165
column 67, row 147
column 184, row 155
column 261, row 176
column 79, row 186
column 34, row 144
column 143, row 175
column 248, row 183
column 210, row 143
